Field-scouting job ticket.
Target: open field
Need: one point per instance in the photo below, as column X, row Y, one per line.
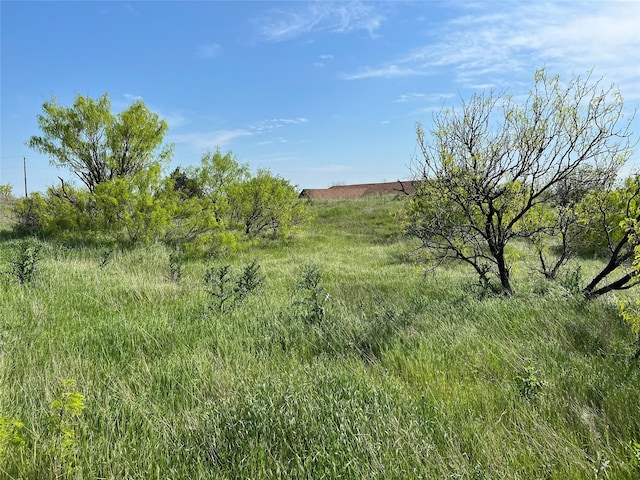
column 397, row 373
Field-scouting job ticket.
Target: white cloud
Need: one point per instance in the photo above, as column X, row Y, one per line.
column 498, row 40
column 323, row 59
column 305, row 18
column 407, row 97
column 205, row 141
column 389, row 71
column 209, row 50
column 129, row 8
column 131, row 98
column 269, row 125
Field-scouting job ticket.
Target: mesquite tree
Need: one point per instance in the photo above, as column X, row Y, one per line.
column 487, row 165
column 97, row 145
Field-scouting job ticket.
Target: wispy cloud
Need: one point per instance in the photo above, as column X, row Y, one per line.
column 498, row 37
column 388, row 71
column 422, row 97
column 209, row 140
column 130, row 9
column 205, row 141
column 323, row 59
column 407, row 97
column 305, row 18
column 269, row 125
column 209, row 50
column 131, row 97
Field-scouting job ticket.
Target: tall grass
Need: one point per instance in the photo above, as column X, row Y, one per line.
column 407, row 374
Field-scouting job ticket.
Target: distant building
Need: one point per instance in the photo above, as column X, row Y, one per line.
column 336, row 192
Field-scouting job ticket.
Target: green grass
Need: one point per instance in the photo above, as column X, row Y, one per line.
column 409, row 375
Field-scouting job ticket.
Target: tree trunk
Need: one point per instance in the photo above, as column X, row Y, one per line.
column 620, row 284
column 617, row 258
column 503, row 271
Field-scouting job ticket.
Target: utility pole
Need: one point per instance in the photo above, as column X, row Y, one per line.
column 24, row 168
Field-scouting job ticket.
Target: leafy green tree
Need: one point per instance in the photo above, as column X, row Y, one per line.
column 267, row 204
column 186, row 186
column 486, row 166
column 133, row 209
column 612, row 217
column 62, row 212
column 119, row 159
column 558, row 229
column 97, row 145
column 200, row 197
column 6, row 191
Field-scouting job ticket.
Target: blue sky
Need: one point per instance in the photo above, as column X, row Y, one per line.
column 320, row 93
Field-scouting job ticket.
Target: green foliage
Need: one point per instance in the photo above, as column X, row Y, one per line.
column 573, row 281
column 200, row 200
column 25, row 266
column 226, row 291
column 10, row 434
column 95, row 144
column 530, row 385
column 630, row 313
column 617, row 217
column 6, row 191
column 602, row 215
column 314, row 298
column 187, row 187
column 489, row 170
column 267, row 204
column 27, row 213
column 176, row 265
column 65, row 411
column 132, row 209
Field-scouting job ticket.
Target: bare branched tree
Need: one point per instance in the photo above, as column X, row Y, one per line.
column 487, row 165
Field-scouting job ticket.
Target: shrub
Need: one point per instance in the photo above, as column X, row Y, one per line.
column 225, row 290
column 25, row 266
column 314, row 298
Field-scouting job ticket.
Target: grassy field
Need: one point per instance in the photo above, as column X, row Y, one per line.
column 116, row 370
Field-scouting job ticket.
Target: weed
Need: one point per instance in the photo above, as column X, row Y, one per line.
column 10, row 433
column 176, row 266
column 219, row 287
column 635, row 449
column 530, row 384
column 483, row 287
column 630, row 313
column 249, row 281
column 105, row 257
column 25, row 267
column 65, row 411
column 225, row 290
column 573, row 281
column 314, row 297
column 602, row 466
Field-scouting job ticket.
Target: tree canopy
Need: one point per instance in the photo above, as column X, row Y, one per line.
column 486, row 167
column 98, row 145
